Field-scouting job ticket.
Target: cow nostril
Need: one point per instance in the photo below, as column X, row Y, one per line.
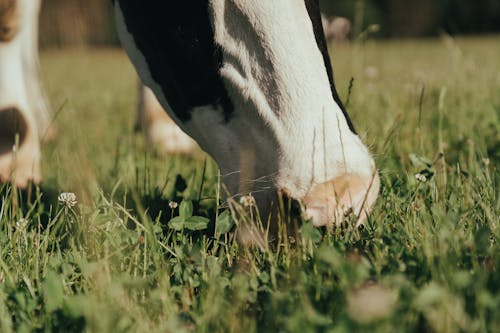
column 13, row 129
column 331, row 202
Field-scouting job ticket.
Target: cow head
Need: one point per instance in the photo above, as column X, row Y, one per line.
column 251, row 82
column 23, row 110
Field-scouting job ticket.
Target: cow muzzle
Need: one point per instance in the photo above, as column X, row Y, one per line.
column 332, row 202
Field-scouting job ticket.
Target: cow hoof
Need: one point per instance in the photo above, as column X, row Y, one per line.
column 19, row 149
column 329, row 203
column 164, row 137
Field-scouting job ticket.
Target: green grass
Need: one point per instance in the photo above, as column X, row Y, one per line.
column 427, row 261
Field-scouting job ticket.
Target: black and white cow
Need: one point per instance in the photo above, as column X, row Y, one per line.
column 251, row 82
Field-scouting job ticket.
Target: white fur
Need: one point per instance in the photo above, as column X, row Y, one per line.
column 276, row 77
column 287, row 132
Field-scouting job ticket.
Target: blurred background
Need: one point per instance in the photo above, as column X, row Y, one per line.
column 89, row 22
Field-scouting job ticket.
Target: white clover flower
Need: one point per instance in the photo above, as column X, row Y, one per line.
column 21, row 224
column 421, row 177
column 247, row 200
column 67, row 199
column 173, row 204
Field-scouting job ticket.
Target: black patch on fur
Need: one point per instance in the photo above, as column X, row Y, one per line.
column 177, row 40
column 315, row 16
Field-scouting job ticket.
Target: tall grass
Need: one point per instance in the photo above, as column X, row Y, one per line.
column 427, row 260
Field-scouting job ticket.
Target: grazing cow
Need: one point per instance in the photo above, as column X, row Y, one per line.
column 252, row 83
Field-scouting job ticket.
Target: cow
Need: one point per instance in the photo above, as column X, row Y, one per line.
column 251, row 82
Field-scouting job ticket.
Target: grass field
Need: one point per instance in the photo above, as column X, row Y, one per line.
column 427, row 261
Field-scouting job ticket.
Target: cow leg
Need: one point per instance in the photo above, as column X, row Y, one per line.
column 22, row 105
column 163, row 136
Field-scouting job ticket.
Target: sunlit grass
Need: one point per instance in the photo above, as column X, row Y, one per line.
column 427, row 260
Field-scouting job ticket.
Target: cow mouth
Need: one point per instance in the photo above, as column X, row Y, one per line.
column 13, row 129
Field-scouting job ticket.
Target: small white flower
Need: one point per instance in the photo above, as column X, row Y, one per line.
column 247, row 200
column 21, row 224
column 67, row 199
column 173, row 204
column 420, row 177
